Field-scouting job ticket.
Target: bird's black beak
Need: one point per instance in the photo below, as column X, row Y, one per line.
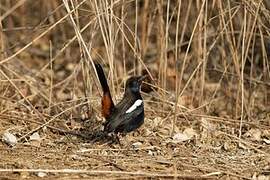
column 141, row 78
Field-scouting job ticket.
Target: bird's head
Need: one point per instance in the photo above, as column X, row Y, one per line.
column 133, row 84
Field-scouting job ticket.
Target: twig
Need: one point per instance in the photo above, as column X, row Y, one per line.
column 78, row 171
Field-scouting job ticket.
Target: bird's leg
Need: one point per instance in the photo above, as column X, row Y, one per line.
column 124, row 141
column 117, row 138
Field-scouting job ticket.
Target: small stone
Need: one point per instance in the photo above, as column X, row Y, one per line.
column 150, row 153
column 9, row 138
column 137, row 144
column 35, row 137
column 41, row 174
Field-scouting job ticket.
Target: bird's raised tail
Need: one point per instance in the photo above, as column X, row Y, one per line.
column 106, row 102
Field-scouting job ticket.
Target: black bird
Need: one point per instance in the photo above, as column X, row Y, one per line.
column 128, row 114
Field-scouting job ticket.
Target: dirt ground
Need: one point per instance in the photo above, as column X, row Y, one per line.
column 202, row 150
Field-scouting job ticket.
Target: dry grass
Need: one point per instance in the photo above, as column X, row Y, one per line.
column 210, row 75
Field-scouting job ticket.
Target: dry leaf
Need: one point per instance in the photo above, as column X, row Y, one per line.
column 207, row 125
column 254, row 134
column 228, row 146
column 180, row 137
column 190, row 132
column 263, row 177
column 241, row 145
column 267, row 141
column 187, row 134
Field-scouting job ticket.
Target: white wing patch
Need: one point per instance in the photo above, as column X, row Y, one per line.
column 134, row 106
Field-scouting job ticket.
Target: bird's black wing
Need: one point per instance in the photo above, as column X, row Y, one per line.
column 125, row 122
column 131, row 122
